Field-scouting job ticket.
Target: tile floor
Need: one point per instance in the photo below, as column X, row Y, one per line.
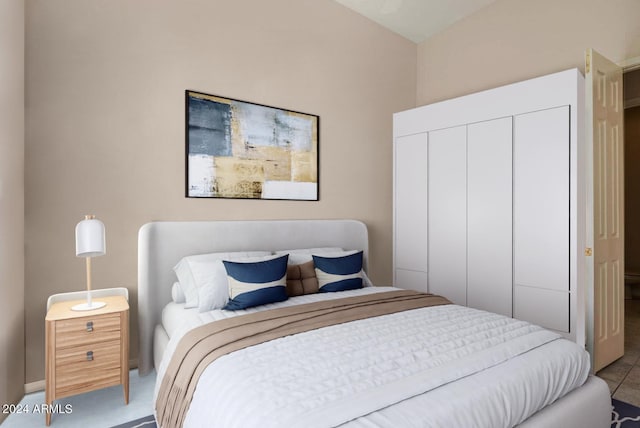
column 623, row 376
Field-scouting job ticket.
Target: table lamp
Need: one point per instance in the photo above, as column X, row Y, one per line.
column 90, row 243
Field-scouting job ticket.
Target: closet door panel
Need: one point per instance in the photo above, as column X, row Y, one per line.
column 410, row 216
column 411, row 280
column 489, row 216
column 546, row 308
column 541, row 199
column 447, row 215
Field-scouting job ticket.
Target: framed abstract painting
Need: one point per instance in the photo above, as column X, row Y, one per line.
column 238, row 149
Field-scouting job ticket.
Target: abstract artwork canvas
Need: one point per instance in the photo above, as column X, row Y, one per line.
column 238, row 149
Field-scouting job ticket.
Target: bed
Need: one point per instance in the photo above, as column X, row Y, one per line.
column 541, row 385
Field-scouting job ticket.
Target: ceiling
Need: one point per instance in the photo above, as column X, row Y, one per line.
column 415, row 20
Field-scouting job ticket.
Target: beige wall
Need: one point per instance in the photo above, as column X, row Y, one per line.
column 105, row 115
column 11, row 201
column 105, row 122
column 513, row 40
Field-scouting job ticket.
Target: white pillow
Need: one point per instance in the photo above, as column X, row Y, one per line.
column 176, row 293
column 299, row 257
column 187, row 283
column 366, row 282
column 213, row 281
column 190, row 282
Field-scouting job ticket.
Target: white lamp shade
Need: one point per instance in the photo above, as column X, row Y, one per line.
column 90, row 241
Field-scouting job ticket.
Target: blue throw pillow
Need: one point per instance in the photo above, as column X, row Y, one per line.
column 339, row 273
column 256, row 283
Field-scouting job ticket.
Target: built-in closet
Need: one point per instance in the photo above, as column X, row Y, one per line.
column 485, row 201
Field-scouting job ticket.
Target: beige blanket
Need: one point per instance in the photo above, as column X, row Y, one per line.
column 198, row 348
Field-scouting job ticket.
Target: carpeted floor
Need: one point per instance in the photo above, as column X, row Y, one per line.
column 147, row 422
column 624, row 415
column 103, row 408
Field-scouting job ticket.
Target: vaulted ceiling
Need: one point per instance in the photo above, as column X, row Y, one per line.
column 415, row 20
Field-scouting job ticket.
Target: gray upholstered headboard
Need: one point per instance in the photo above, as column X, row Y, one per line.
column 162, row 244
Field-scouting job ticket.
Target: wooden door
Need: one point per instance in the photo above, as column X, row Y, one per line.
column 605, row 115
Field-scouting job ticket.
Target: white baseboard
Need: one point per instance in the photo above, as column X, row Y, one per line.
column 34, row 386
column 39, row 385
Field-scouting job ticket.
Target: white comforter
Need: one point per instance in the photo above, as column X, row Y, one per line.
column 441, row 366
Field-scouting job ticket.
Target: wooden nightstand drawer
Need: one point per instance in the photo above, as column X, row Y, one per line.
column 81, row 384
column 86, row 356
column 87, row 367
column 100, row 328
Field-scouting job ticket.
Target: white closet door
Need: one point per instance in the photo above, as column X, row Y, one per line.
column 489, row 216
column 447, row 214
column 541, row 217
column 410, row 216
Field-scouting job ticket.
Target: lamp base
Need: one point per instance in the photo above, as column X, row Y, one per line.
column 88, row 307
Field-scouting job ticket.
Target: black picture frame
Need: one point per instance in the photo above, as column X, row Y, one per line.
column 242, row 150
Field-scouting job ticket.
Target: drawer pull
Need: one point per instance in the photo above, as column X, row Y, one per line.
column 89, row 355
column 89, row 326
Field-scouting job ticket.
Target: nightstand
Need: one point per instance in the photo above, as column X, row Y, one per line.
column 86, row 350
